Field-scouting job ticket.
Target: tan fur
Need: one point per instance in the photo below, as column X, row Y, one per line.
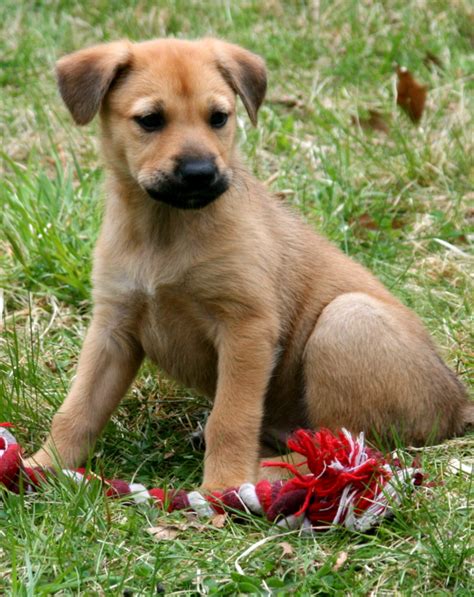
column 240, row 300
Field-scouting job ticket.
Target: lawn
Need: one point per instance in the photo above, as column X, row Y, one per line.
column 401, row 202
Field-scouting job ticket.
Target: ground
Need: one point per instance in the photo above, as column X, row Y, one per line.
column 401, row 202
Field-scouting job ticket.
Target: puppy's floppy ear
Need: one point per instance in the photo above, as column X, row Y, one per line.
column 245, row 72
column 84, row 77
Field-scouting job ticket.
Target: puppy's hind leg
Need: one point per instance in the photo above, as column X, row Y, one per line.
column 370, row 366
column 108, row 363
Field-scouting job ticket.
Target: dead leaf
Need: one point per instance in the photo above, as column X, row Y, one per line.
column 398, row 223
column 282, row 195
column 286, row 549
column 164, row 532
column 366, row 221
column 190, row 516
column 219, row 520
column 375, row 122
column 288, row 101
column 411, row 96
column 51, row 366
column 340, row 561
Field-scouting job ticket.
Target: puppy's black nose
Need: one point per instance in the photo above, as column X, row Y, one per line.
column 194, row 172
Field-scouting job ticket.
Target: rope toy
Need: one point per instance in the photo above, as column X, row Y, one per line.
column 350, row 484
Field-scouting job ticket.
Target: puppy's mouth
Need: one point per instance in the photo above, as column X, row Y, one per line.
column 185, row 196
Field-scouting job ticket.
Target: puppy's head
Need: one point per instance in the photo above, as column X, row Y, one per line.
column 167, row 110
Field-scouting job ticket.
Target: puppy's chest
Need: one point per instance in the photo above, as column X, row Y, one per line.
column 174, row 322
column 173, row 334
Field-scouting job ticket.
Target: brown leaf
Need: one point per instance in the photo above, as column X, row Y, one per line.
column 286, row 549
column 411, row 96
column 218, row 521
column 288, row 101
column 171, row 531
column 190, row 516
column 398, row 223
column 164, row 532
column 366, row 221
column 51, row 366
column 375, row 122
column 284, row 194
column 340, row 561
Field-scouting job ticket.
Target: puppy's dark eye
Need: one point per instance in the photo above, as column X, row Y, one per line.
column 218, row 119
column 151, row 122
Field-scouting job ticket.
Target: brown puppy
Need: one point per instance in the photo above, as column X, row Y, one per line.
column 200, row 269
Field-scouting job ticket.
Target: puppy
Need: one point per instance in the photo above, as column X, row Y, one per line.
column 199, row 268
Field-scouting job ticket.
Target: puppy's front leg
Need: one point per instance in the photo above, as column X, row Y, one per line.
column 245, row 360
column 108, row 363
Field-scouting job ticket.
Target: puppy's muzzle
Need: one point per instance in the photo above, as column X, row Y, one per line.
column 193, row 184
column 196, row 174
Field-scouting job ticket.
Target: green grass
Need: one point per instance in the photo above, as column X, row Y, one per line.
column 416, row 186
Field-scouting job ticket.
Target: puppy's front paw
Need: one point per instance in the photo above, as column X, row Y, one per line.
column 41, row 459
column 207, row 488
column 220, row 484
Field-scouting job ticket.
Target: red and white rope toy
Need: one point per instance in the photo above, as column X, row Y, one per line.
column 350, row 484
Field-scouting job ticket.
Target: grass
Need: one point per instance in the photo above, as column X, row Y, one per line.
column 414, row 186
